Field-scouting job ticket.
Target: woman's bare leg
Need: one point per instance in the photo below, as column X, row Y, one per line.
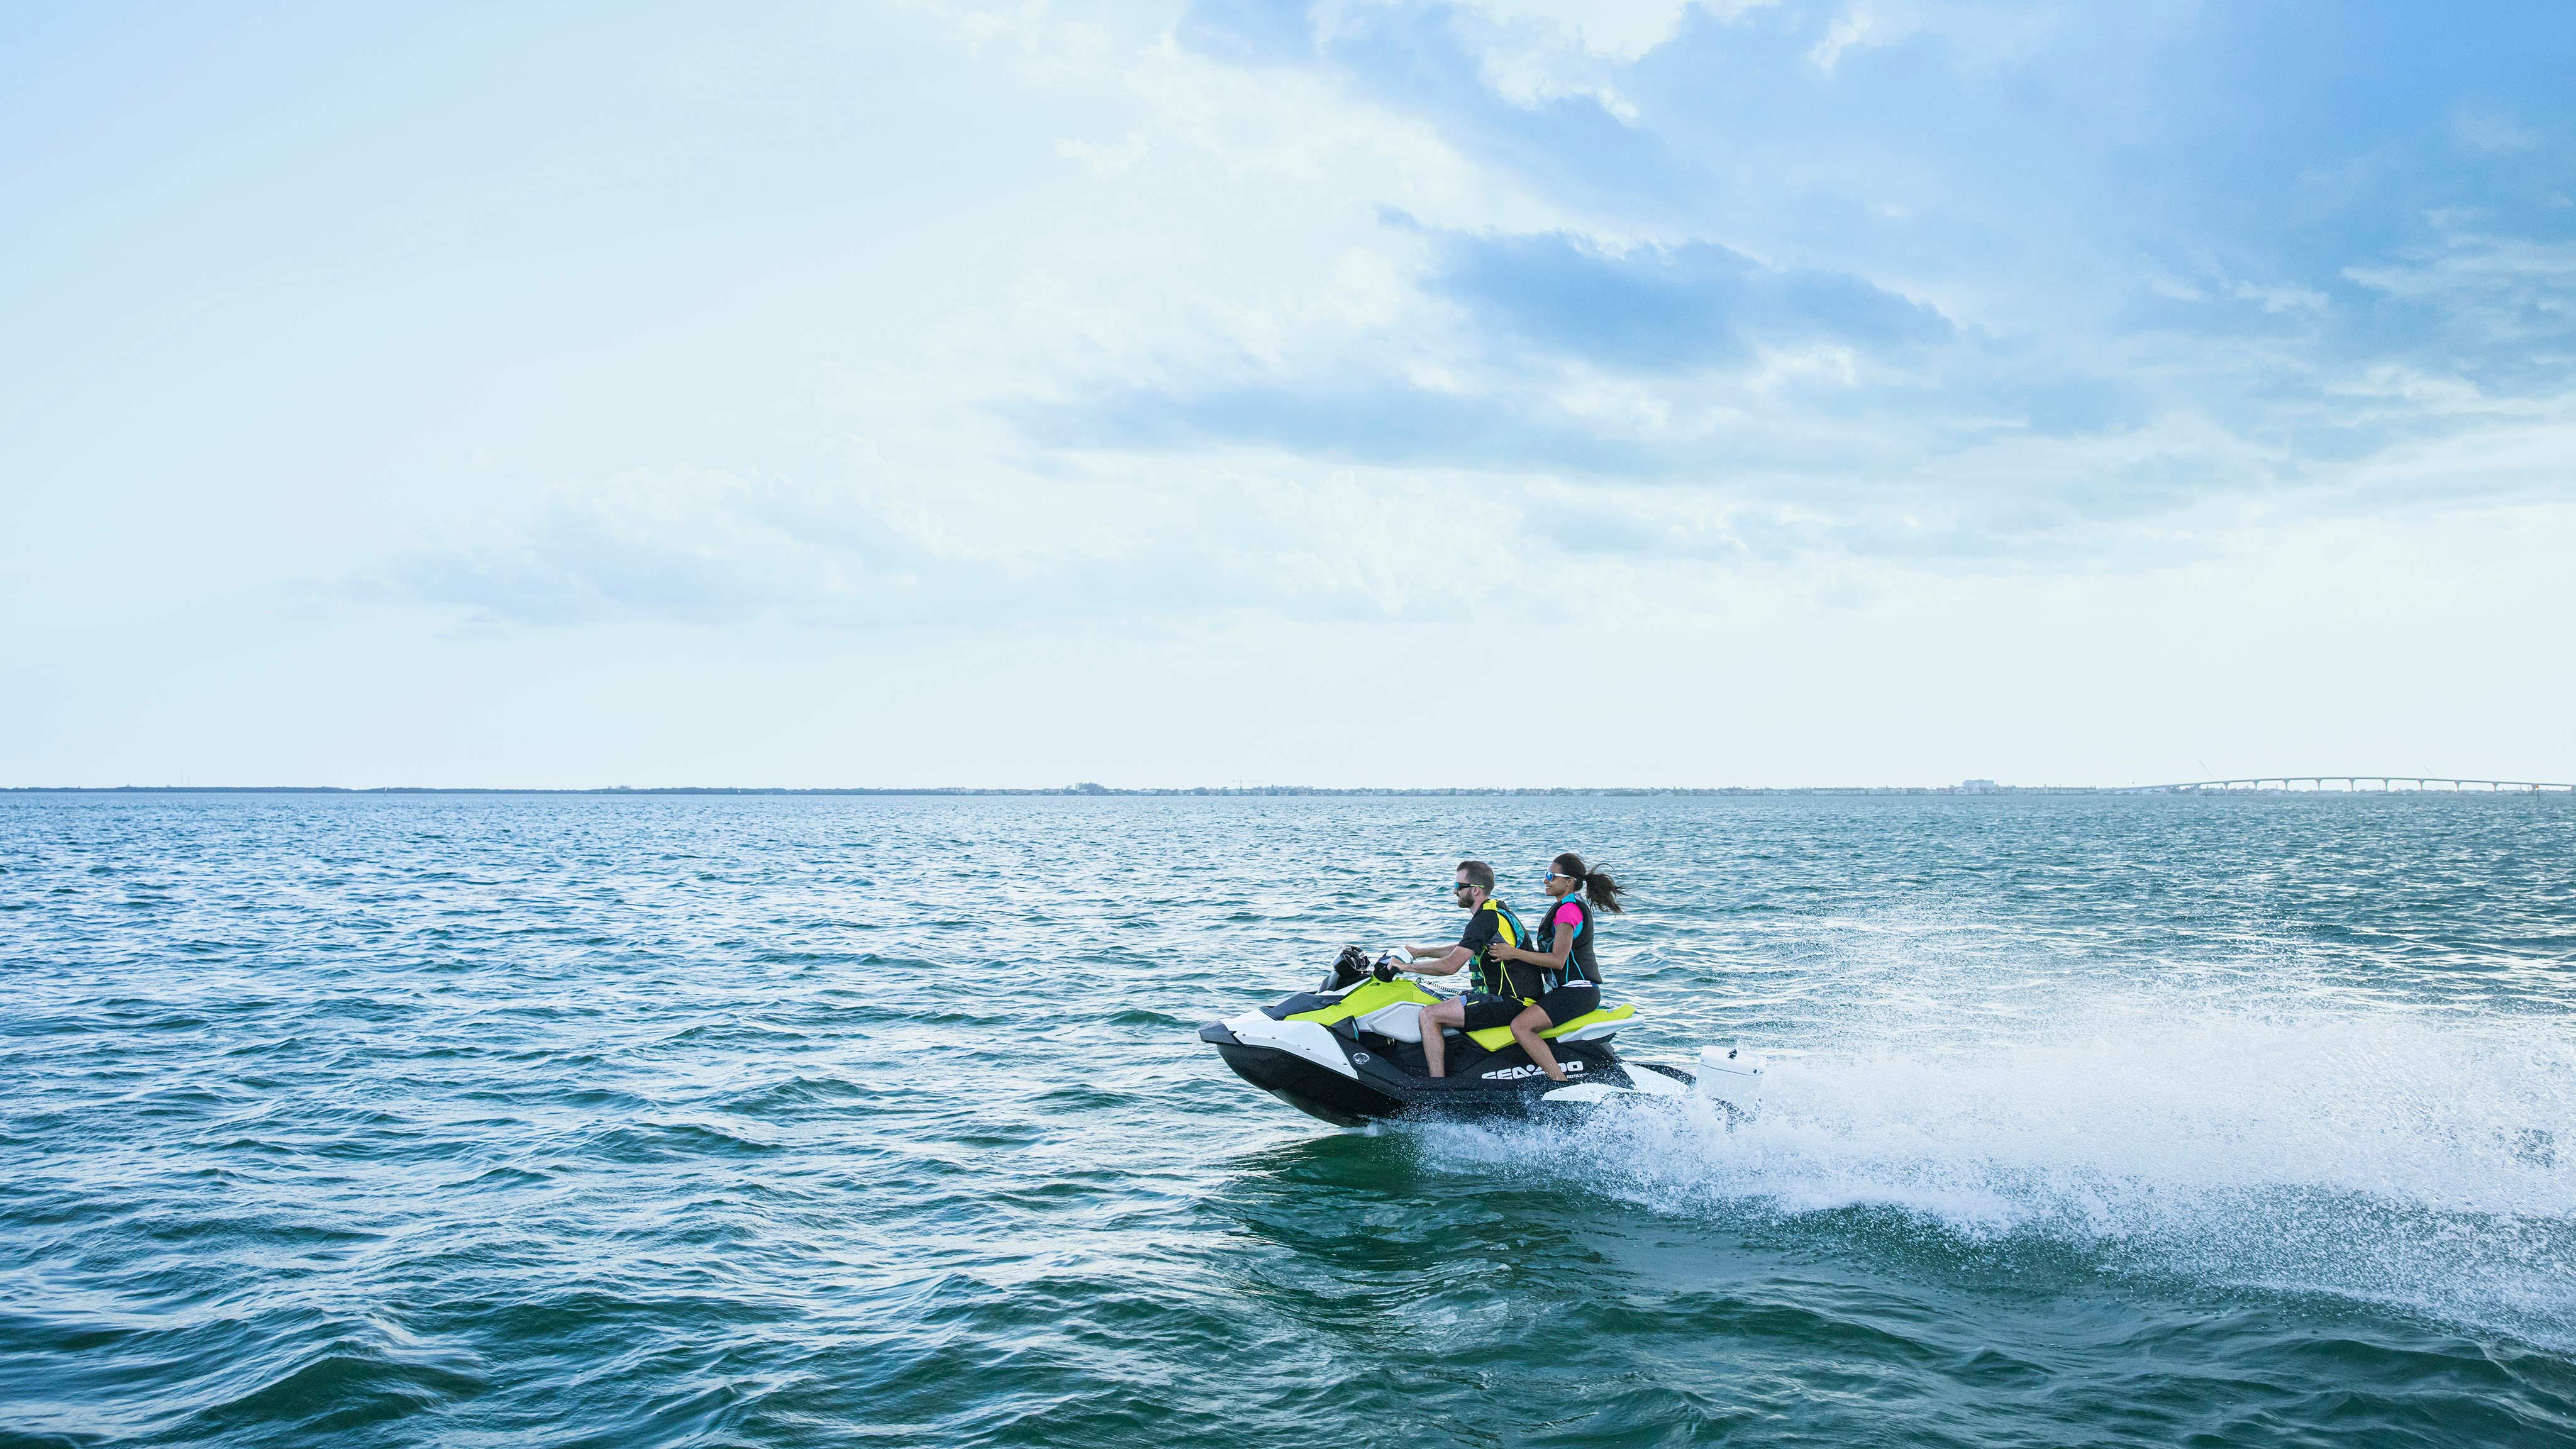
column 1525, row 1030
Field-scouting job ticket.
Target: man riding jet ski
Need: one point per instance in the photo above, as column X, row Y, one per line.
column 1531, row 1035
column 1350, row 1052
column 1366, row 1045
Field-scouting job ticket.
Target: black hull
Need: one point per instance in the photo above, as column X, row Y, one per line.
column 1309, row 1088
column 1390, row 1084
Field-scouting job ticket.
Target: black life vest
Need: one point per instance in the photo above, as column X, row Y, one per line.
column 1494, row 977
column 1579, row 964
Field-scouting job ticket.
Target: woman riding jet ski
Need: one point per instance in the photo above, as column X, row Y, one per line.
column 1350, row 1052
column 1353, row 1050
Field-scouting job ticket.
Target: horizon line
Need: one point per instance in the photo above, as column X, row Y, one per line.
column 1077, row 790
column 1090, row 789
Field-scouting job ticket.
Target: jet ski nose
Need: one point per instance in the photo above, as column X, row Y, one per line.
column 1215, row 1034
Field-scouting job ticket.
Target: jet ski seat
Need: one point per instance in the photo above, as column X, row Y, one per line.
column 1591, row 1026
column 1403, row 1022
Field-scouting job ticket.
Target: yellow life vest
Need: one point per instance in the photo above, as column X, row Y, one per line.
column 1493, row 977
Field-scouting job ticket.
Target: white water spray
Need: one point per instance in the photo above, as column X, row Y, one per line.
column 2410, row 1157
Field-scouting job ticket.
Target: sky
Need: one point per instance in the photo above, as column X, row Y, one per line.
column 1367, row 393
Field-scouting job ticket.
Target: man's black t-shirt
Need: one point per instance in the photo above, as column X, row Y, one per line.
column 1498, row 978
column 1481, row 926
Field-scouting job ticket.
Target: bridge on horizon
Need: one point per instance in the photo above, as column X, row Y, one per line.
column 2355, row 785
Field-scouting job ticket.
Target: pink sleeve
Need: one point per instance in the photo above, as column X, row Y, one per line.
column 1568, row 915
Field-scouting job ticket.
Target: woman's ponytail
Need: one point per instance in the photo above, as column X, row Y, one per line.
column 1602, row 891
column 1598, row 887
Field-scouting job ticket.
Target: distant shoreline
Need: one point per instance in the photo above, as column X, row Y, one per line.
column 1222, row 792
column 1072, row 791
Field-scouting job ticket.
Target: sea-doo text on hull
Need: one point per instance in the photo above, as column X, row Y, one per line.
column 1350, row 1052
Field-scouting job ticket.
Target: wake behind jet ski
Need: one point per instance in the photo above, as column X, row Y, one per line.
column 1350, row 1052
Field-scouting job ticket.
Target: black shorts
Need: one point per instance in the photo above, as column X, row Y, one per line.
column 1566, row 1003
column 1485, row 1011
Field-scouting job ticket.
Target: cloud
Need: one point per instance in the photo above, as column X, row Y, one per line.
column 1680, row 292
column 1444, row 63
column 1858, row 26
column 706, row 548
column 2505, row 292
column 1380, row 421
column 1664, row 308
column 691, row 546
column 1620, row 29
column 2477, row 130
column 1250, row 32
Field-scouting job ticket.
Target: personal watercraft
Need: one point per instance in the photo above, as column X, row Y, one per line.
column 1350, row 1052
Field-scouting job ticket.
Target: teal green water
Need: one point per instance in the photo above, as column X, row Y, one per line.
column 523, row 1120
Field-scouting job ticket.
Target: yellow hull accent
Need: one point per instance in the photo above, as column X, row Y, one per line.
column 1366, row 997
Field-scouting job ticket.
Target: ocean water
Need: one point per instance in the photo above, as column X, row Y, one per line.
column 492, row 1120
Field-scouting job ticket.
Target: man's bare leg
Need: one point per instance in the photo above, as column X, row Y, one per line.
column 1435, row 1020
